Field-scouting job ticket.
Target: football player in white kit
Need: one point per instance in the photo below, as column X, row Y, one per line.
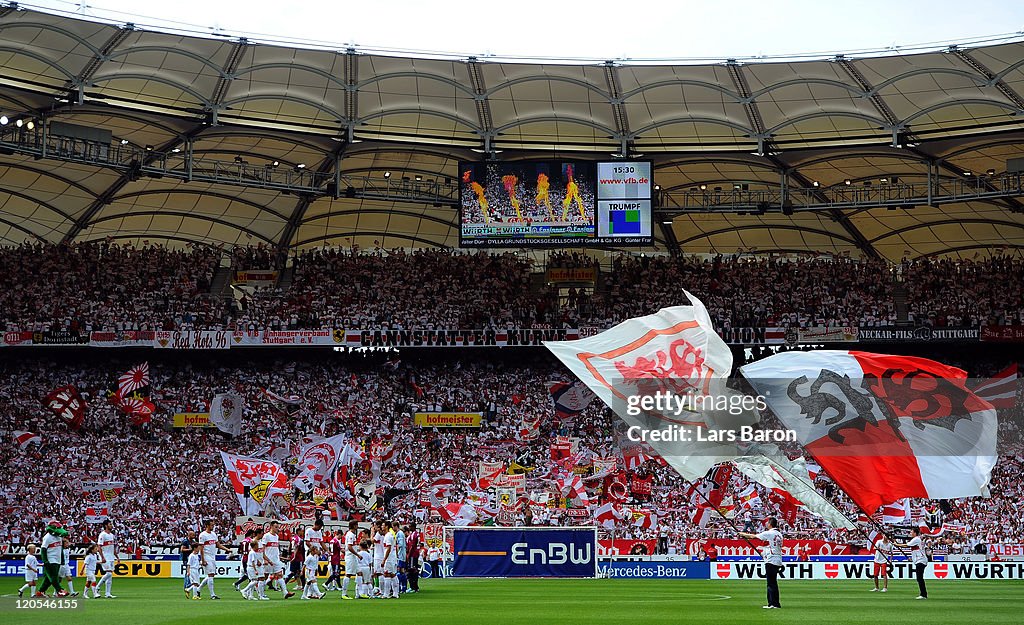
column 311, row 590
column 65, row 567
column 210, row 543
column 351, row 558
column 91, row 560
column 378, row 554
column 255, row 570
column 389, row 581
column 32, row 568
column 108, row 556
column 365, row 586
column 195, row 562
column 272, row 556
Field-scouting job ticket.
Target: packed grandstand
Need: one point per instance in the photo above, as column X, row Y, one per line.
column 193, row 284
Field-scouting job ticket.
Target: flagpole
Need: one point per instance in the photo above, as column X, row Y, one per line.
column 880, row 529
column 727, row 519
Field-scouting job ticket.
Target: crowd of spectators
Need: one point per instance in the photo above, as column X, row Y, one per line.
column 174, row 477
column 105, row 286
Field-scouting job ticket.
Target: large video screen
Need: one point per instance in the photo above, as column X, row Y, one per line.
column 555, row 202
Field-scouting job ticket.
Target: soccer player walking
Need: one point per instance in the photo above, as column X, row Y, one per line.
column 31, row 572
column 772, row 559
column 108, row 557
column 210, row 543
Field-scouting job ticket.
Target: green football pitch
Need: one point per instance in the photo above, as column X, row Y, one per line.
column 543, row 601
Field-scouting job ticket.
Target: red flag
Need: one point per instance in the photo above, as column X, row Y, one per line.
column 883, row 427
column 67, row 404
column 1001, row 390
column 137, row 377
column 23, row 439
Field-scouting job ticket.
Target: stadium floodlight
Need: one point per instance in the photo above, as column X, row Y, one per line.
column 815, row 184
column 30, row 125
column 419, row 178
column 149, row 148
column 387, row 174
column 300, row 166
column 19, row 123
column 3, row 120
column 124, row 141
column 967, row 173
column 847, row 182
column 990, row 172
column 703, row 187
column 275, row 163
column 883, row 180
column 175, row 150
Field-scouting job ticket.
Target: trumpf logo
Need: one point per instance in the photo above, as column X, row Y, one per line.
column 552, row 553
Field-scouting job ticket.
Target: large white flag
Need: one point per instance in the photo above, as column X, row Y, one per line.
column 674, row 351
column 316, row 461
column 774, row 470
column 226, row 413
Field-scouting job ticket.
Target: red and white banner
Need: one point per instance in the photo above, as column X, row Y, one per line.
column 23, row 439
column 316, row 462
column 1001, row 391
column 192, row 339
column 739, row 547
column 67, row 404
column 288, row 338
column 883, row 427
column 673, row 351
column 123, row 338
column 626, row 546
column 255, row 481
column 1006, row 550
column 865, row 570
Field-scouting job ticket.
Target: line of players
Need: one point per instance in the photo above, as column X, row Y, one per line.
column 100, row 560
column 372, row 561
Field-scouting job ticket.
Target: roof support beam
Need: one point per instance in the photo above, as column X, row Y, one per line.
column 483, row 105
column 351, row 77
column 107, row 196
column 862, row 82
column 84, row 78
column 331, row 162
column 618, row 104
column 227, row 75
column 998, row 83
column 748, row 102
column 836, row 214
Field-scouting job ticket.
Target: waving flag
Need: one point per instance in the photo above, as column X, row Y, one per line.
column 281, row 404
column 883, row 427
column 255, row 481
column 645, row 519
column 138, row 408
column 673, row 351
column 23, row 439
column 608, row 515
column 569, row 398
column 316, row 462
column 459, row 514
column 749, row 498
column 1001, row 390
column 896, row 513
column 226, row 413
column 67, row 404
column 136, row 378
column 790, row 484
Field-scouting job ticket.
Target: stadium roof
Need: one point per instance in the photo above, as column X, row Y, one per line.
column 805, row 134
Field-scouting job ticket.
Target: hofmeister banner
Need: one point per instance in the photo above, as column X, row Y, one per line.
column 525, row 552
